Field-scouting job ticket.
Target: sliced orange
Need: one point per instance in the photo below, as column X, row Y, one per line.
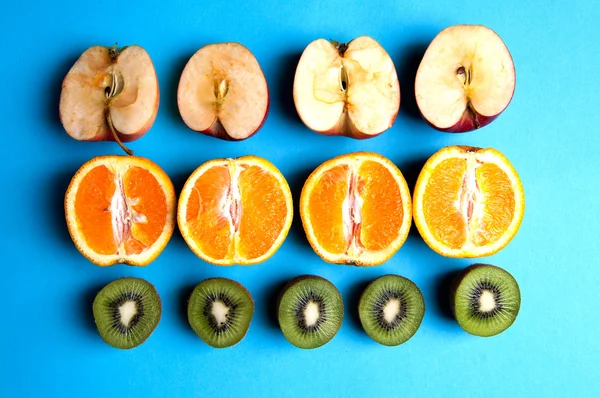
column 356, row 209
column 468, row 202
column 235, row 211
column 120, row 209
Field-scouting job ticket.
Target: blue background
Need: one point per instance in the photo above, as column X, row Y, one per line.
column 48, row 342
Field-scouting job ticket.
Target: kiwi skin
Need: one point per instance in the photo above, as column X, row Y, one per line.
column 236, row 283
column 459, row 278
column 292, row 282
column 365, row 290
column 146, row 338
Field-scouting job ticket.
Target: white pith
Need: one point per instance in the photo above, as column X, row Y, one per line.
column 364, row 257
column 487, row 302
column 219, row 310
column 442, row 94
column 469, row 202
column 127, row 311
column 351, row 214
column 391, row 310
column 118, row 165
column 123, row 215
column 368, row 103
column 479, row 157
column 230, row 205
column 311, row 313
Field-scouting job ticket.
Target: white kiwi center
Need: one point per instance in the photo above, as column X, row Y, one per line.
column 487, row 302
column 219, row 310
column 391, row 310
column 127, row 311
column 311, row 313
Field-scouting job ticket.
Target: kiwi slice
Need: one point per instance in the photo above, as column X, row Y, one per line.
column 391, row 309
column 485, row 300
column 310, row 311
column 220, row 311
column 127, row 311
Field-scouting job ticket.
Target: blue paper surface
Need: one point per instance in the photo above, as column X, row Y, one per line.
column 48, row 342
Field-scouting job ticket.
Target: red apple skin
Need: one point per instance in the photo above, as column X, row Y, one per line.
column 107, row 135
column 467, row 123
column 217, row 130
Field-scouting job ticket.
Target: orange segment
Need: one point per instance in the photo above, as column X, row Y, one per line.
column 382, row 211
column 92, row 200
column 120, row 210
column 210, row 230
column 235, row 211
column 443, row 190
column 263, row 213
column 498, row 203
column 325, row 209
column 468, row 202
column 356, row 209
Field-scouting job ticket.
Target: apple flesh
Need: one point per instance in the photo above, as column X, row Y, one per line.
column 223, row 92
column 347, row 89
column 465, row 80
column 110, row 94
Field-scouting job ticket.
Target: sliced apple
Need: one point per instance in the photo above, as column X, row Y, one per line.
column 223, row 92
column 465, row 80
column 347, row 89
column 110, row 94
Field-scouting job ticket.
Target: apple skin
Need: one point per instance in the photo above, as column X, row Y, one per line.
column 217, row 130
column 466, row 123
column 344, row 126
column 106, row 134
column 470, row 119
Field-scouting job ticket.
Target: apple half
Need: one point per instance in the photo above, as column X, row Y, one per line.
column 466, row 79
column 223, row 92
column 110, row 94
column 347, row 89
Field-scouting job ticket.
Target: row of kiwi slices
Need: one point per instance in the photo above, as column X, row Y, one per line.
column 485, row 301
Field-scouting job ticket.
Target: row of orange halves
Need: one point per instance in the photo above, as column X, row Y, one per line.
column 465, row 80
column 355, row 209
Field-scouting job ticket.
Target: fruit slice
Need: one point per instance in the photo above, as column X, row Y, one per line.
column 465, row 80
column 223, row 92
column 486, row 300
column 310, row 311
column 391, row 309
column 235, row 211
column 120, row 209
column 126, row 312
column 110, row 94
column 347, row 89
column 356, row 209
column 468, row 202
column 220, row 311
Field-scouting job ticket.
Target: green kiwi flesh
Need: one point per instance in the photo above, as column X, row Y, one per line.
column 391, row 309
column 220, row 311
column 486, row 300
column 310, row 311
column 126, row 312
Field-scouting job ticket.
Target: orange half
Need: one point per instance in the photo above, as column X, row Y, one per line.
column 120, row 209
column 468, row 202
column 356, row 209
column 235, row 211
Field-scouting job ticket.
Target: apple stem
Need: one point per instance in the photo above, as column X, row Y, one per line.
column 115, row 135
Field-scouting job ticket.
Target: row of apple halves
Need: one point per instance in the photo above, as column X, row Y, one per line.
column 465, row 80
column 355, row 209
